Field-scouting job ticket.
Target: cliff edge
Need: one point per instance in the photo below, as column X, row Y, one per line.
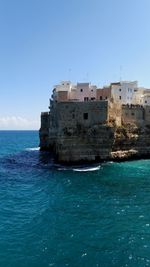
column 87, row 132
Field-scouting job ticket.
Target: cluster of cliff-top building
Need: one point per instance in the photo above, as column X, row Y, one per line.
column 119, row 92
column 126, row 101
column 84, row 111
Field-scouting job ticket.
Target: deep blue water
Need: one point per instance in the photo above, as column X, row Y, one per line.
column 52, row 216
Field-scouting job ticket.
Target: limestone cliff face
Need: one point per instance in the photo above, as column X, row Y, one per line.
column 99, row 143
column 131, row 142
column 83, row 132
column 84, row 144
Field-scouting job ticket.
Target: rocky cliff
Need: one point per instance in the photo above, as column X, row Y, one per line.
column 85, row 132
column 131, row 142
column 84, row 144
column 99, row 143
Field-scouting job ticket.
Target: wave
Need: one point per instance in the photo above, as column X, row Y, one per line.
column 87, row 169
column 78, row 169
column 33, row 149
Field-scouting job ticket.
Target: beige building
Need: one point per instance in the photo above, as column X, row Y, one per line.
column 66, row 91
column 61, row 91
column 145, row 97
column 86, row 92
column 103, row 93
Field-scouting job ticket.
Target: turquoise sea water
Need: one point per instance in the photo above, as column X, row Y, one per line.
column 56, row 216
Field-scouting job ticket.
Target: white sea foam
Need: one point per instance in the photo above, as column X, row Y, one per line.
column 33, row 149
column 79, row 169
column 86, row 169
column 84, row 254
column 130, row 257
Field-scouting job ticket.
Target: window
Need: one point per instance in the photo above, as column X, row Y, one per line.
column 120, row 89
column 85, row 116
column 145, row 101
column 92, row 98
column 106, row 97
column 92, row 90
column 100, row 98
column 120, row 97
column 86, row 98
column 81, row 90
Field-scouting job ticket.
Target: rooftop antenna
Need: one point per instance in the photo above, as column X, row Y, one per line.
column 69, row 73
column 120, row 73
column 84, row 78
column 87, row 77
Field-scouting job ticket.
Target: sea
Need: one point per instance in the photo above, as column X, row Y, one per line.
column 54, row 215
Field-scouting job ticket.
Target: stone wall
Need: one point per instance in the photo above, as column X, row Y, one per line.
column 82, row 131
column 133, row 114
column 71, row 114
column 77, row 131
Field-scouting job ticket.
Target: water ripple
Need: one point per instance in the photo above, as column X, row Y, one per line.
column 71, row 218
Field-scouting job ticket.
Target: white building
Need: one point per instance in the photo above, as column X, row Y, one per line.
column 63, row 86
column 137, row 96
column 62, row 91
column 123, row 92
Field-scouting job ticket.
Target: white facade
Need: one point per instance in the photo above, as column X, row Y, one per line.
column 123, row 92
column 146, row 97
column 137, row 96
column 73, row 93
column 130, row 93
column 63, row 86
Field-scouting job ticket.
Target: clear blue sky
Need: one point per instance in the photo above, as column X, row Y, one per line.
column 40, row 40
